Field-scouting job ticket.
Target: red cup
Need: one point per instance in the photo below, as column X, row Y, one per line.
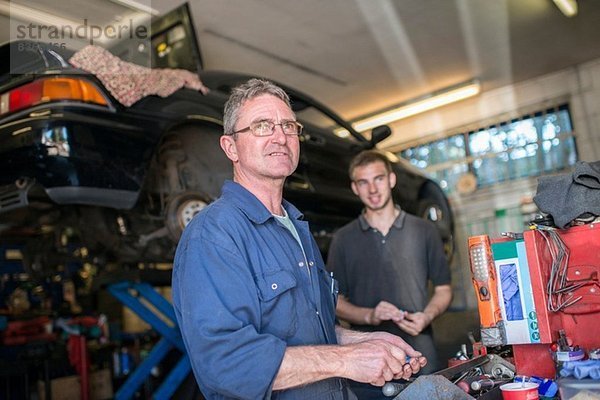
column 520, row 391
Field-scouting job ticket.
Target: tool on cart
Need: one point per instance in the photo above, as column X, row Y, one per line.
column 391, row 389
column 480, row 384
column 484, row 384
column 486, row 372
column 563, row 350
column 485, row 283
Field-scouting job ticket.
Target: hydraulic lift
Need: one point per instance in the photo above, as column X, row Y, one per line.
column 131, row 295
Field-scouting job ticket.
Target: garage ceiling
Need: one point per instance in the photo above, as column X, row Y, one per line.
column 361, row 56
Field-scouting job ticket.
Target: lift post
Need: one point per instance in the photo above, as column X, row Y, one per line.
column 130, row 294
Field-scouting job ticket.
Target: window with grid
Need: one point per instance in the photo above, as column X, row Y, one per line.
column 531, row 145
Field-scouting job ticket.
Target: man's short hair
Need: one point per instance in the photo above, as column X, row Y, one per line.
column 367, row 157
column 244, row 92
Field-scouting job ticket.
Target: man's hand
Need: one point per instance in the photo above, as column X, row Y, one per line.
column 414, row 323
column 415, row 358
column 384, row 311
column 412, row 361
column 378, row 361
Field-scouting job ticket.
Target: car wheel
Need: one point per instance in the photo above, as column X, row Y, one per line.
column 181, row 209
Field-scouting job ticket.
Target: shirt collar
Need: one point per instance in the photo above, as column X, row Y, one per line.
column 398, row 222
column 251, row 206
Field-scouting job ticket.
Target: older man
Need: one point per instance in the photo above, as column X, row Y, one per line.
column 255, row 305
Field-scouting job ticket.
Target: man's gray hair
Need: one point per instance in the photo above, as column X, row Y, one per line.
column 244, row 92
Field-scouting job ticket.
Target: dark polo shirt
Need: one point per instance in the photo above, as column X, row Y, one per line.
column 396, row 268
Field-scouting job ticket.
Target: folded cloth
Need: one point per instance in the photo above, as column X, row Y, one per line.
column 128, row 82
column 588, row 174
column 567, row 196
column 581, row 369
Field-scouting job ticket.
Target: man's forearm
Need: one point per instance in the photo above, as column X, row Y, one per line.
column 352, row 313
column 306, row 364
column 373, row 357
column 440, row 301
column 348, row 336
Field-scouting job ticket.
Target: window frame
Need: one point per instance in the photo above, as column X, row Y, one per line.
column 565, row 142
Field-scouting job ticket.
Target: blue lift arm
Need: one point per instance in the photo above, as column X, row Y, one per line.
column 129, row 293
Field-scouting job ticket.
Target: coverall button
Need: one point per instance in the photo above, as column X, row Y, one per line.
column 274, row 286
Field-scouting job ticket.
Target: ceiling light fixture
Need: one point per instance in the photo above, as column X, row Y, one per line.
column 412, row 107
column 138, row 6
column 17, row 12
column 567, row 7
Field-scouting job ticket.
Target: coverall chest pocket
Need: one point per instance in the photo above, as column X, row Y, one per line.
column 277, row 292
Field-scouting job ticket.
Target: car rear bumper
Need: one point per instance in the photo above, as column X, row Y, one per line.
column 78, row 156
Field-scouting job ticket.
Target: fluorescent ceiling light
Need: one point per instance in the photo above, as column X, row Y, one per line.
column 567, row 7
column 27, row 14
column 138, row 6
column 419, row 105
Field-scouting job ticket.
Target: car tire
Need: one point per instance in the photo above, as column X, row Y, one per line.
column 434, row 207
column 181, row 209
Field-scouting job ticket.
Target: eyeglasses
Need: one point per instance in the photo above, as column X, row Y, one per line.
column 267, row 128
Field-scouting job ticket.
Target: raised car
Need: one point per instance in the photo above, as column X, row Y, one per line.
column 84, row 176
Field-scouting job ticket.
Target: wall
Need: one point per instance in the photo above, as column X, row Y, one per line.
column 505, row 207
column 579, row 86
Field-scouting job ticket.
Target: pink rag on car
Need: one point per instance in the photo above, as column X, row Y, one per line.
column 128, row 82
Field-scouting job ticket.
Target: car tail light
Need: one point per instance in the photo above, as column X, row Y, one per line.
column 51, row 89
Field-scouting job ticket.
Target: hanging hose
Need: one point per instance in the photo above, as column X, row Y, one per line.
column 558, row 286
